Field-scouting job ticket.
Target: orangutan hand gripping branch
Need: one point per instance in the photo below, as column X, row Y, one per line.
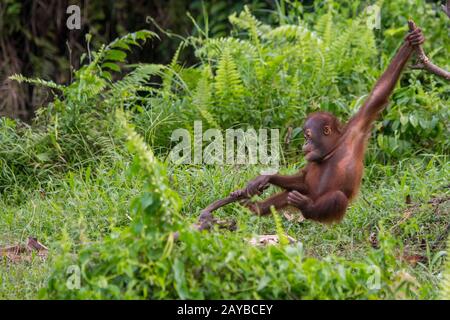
column 335, row 153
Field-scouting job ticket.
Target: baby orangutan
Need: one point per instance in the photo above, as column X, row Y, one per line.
column 332, row 176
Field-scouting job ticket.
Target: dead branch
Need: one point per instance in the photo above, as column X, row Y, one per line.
column 423, row 61
column 21, row 253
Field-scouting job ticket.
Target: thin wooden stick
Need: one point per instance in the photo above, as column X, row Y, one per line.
column 223, row 202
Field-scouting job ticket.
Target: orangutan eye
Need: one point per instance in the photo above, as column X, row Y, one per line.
column 326, row 130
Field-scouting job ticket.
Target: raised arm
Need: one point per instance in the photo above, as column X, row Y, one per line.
column 380, row 94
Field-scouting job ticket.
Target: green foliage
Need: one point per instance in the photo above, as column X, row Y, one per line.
column 142, row 261
column 76, row 129
column 202, row 98
column 116, row 50
column 229, row 89
column 272, row 76
column 40, row 82
column 446, row 276
column 63, row 178
column 131, row 263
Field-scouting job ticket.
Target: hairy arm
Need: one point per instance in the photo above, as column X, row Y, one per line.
column 259, row 184
column 384, row 87
column 294, row 182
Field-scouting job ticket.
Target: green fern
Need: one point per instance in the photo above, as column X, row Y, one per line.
column 202, row 98
column 339, row 54
column 136, row 80
column 325, row 27
column 115, row 52
column 253, row 26
column 290, row 32
column 212, row 48
column 36, row 81
column 228, row 82
column 323, row 59
column 172, row 69
column 247, row 21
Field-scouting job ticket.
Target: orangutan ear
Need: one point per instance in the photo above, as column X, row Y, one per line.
column 308, row 133
column 326, row 130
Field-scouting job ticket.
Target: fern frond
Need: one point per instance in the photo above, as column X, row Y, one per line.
column 173, row 68
column 324, row 28
column 36, row 81
column 115, row 52
column 228, row 81
column 290, row 32
column 131, row 39
column 212, row 48
column 202, row 98
column 247, row 21
column 338, row 53
column 136, row 80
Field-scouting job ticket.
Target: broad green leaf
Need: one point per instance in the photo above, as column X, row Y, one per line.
column 112, row 66
column 107, row 75
column 263, row 283
column 380, row 140
column 404, row 120
column 413, row 120
column 424, row 123
column 180, row 280
column 115, row 55
column 122, row 45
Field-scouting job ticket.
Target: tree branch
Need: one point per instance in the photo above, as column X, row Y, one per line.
column 423, row 61
column 446, row 8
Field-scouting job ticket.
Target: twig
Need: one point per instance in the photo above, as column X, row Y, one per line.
column 424, row 62
column 446, row 8
column 288, row 137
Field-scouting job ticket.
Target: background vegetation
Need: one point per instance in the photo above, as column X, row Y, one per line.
column 90, row 178
column 34, row 39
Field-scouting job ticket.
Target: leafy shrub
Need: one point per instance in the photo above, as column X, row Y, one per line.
column 76, row 129
column 272, row 76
